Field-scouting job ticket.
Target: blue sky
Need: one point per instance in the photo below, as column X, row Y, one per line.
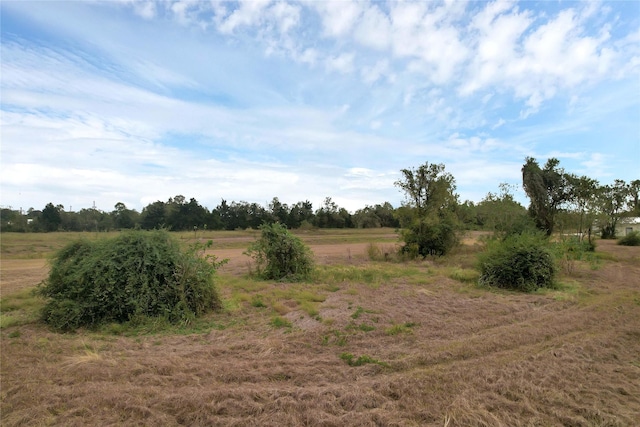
column 138, row 101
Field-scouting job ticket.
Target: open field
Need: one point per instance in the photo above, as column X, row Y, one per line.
column 365, row 344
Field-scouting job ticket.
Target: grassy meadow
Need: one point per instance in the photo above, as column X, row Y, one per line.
column 368, row 340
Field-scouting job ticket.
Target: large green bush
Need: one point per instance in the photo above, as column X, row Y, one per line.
column 520, row 262
column 134, row 275
column 280, row 255
column 631, row 239
column 427, row 236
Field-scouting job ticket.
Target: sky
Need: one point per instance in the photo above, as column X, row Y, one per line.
column 138, row 101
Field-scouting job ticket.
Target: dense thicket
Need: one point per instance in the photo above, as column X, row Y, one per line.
column 134, row 275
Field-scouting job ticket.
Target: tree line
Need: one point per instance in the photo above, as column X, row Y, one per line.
column 178, row 214
column 559, row 201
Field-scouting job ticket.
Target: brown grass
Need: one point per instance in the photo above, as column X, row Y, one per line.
column 472, row 357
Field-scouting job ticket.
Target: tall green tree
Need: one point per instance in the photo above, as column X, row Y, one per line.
column 634, row 197
column 612, row 200
column 51, row 218
column 584, row 194
column 123, row 218
column 154, row 216
column 428, row 217
column 548, row 189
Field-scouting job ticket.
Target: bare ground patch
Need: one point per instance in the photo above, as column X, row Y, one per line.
column 449, row 354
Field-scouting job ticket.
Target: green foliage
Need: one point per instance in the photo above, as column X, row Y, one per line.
column 280, row 255
column 631, row 239
column 430, row 236
column 548, row 188
column 280, row 322
column 51, row 218
column 504, row 216
column 612, row 199
column 428, row 219
column 519, row 262
column 403, row 328
column 134, row 275
column 360, row 360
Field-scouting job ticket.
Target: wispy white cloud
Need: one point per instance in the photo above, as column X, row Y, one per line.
column 302, row 100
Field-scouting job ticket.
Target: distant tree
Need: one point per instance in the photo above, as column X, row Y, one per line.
column 584, row 193
column 330, row 215
column 366, row 218
column 548, row 189
column 428, row 218
column 12, row 220
column 299, row 213
column 123, row 218
column 612, row 201
column 501, row 214
column 279, row 212
column 467, row 213
column 634, row 199
column 51, row 218
column 153, row 216
column 387, row 215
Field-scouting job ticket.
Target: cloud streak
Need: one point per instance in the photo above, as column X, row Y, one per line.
column 140, row 101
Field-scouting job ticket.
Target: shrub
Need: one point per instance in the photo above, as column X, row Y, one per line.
column 134, row 275
column 429, row 237
column 520, row 262
column 280, row 255
column 631, row 239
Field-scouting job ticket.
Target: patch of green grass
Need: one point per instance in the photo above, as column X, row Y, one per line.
column 257, row 302
column 364, row 327
column 357, row 313
column 8, row 320
column 464, row 275
column 310, row 307
column 361, row 360
column 20, row 308
column 143, row 326
column 372, row 274
column 566, row 291
column 335, row 337
column 14, row 334
column 280, row 322
column 403, row 328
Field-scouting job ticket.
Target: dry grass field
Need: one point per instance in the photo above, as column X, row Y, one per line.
column 365, row 344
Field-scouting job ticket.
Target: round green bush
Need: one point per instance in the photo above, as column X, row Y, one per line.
column 520, row 262
column 280, row 255
column 631, row 239
column 136, row 274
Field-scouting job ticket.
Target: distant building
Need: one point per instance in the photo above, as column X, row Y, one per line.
column 627, row 225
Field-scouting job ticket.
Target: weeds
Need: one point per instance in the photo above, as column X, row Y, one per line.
column 403, row 328
column 280, row 322
column 20, row 308
column 361, row 360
